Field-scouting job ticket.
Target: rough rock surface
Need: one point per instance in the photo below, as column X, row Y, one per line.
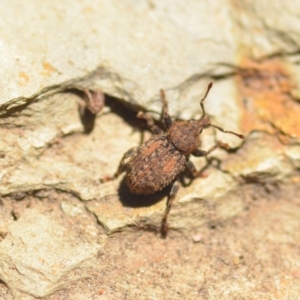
column 234, row 232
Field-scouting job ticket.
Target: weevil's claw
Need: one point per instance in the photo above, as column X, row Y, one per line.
column 140, row 115
column 164, row 230
column 107, row 178
column 223, row 145
column 201, row 175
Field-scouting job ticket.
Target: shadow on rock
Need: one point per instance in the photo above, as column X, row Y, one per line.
column 131, row 200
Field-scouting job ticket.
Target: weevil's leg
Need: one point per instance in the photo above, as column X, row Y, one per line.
column 200, row 152
column 94, row 100
column 91, row 103
column 122, row 165
column 150, row 122
column 192, row 168
column 166, row 119
column 124, row 161
column 164, row 222
column 194, row 171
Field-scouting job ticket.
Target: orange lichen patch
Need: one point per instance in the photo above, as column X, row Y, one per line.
column 296, row 180
column 263, row 76
column 281, row 112
column 23, row 78
column 266, row 86
column 47, row 69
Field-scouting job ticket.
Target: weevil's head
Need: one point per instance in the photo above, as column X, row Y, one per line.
column 184, row 135
column 202, row 123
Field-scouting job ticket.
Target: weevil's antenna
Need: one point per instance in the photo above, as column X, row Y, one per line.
column 204, row 114
column 226, row 131
column 201, row 102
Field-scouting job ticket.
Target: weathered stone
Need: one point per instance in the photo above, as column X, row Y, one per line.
column 39, row 255
column 129, row 50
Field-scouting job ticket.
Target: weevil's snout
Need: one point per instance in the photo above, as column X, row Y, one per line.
column 204, row 122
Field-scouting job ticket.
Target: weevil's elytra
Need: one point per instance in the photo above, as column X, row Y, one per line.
column 159, row 161
column 155, row 159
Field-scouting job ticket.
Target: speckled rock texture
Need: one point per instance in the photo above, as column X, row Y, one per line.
column 234, row 231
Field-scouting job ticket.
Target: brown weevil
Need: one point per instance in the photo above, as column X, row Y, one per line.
column 159, row 161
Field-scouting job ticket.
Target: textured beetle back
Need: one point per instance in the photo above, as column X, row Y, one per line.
column 156, row 165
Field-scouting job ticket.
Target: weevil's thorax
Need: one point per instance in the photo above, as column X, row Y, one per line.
column 184, row 136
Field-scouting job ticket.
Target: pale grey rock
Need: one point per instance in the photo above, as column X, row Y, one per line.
column 144, row 42
column 293, row 153
column 262, row 159
column 39, row 255
column 269, row 28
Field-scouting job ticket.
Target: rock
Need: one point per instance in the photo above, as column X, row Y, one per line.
column 39, row 255
column 49, row 153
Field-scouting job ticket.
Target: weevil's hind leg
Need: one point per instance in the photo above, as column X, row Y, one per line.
column 124, row 161
column 122, row 165
column 166, row 119
column 164, row 222
column 150, row 122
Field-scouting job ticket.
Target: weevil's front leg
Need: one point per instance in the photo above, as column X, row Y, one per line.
column 166, row 119
column 164, row 223
column 200, row 152
column 122, row 165
column 150, row 122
